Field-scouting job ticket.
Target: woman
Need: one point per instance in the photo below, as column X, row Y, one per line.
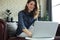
column 27, row 17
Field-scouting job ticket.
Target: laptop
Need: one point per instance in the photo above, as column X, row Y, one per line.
column 44, row 29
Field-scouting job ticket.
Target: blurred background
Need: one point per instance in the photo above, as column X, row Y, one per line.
column 10, row 8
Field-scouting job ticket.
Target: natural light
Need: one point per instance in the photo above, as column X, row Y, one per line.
column 56, row 11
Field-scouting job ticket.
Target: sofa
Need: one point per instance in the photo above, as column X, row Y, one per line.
column 3, row 30
column 4, row 33
column 57, row 37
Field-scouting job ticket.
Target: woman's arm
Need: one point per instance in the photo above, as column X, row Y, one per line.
column 22, row 25
column 27, row 32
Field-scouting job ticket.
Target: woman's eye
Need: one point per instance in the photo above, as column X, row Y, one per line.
column 31, row 4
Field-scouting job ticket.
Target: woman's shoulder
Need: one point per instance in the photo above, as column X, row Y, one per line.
column 21, row 11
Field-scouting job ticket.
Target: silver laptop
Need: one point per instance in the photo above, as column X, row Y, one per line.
column 44, row 29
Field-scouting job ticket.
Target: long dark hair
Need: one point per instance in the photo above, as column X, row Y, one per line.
column 34, row 10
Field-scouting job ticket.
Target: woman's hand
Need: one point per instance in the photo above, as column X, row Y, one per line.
column 37, row 14
column 27, row 32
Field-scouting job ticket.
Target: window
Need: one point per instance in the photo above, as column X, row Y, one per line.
column 44, row 10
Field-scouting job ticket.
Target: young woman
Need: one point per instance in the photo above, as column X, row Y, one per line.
column 27, row 17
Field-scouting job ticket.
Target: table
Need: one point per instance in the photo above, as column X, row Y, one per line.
column 39, row 38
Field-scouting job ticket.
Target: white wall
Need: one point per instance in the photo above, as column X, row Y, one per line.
column 14, row 5
column 56, row 11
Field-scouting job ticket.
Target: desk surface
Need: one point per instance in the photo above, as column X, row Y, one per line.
column 39, row 38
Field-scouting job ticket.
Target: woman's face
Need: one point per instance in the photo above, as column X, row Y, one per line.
column 31, row 5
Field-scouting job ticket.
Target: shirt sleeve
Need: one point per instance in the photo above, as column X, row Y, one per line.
column 33, row 21
column 21, row 20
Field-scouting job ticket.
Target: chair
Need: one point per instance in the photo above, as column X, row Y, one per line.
column 4, row 33
column 3, row 30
